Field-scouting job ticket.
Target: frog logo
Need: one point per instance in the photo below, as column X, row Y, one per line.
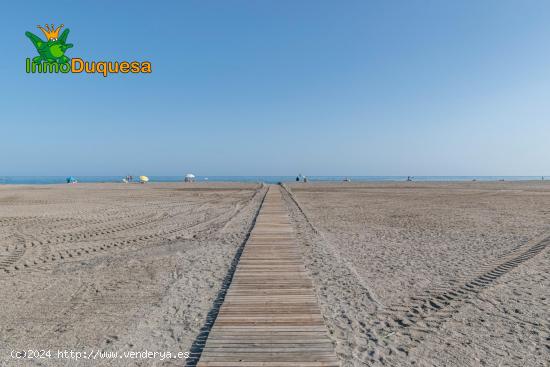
column 52, row 59
column 53, row 49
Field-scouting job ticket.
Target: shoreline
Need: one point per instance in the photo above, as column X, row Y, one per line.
column 60, row 180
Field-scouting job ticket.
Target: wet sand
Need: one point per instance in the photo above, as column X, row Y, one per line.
column 430, row 274
column 115, row 267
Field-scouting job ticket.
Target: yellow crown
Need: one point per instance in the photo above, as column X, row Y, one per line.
column 51, row 32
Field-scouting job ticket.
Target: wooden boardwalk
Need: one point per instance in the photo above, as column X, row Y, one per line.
column 270, row 315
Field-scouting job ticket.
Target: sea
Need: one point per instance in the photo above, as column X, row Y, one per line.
column 45, row 180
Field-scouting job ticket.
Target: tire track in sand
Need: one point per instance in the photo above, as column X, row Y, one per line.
column 217, row 222
column 427, row 312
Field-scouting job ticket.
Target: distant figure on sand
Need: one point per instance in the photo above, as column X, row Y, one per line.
column 409, row 178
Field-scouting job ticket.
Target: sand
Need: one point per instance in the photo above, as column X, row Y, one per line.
column 406, row 274
column 115, row 267
column 430, row 274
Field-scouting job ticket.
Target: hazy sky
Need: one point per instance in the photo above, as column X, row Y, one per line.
column 280, row 87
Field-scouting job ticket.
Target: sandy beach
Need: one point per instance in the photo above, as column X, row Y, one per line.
column 115, row 267
column 424, row 274
column 430, row 274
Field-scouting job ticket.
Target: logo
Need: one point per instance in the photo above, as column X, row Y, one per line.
column 52, row 59
column 53, row 49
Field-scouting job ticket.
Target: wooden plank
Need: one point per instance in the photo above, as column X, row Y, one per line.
column 270, row 315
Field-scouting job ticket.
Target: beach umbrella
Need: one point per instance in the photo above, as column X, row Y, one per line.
column 143, row 179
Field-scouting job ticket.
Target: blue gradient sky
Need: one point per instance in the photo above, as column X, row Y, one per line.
column 280, row 87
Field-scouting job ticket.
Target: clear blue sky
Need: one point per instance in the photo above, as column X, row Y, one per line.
column 280, row 87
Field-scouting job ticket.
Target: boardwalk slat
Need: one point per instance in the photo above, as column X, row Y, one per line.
column 270, row 315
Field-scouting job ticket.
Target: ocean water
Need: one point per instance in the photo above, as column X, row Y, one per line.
column 41, row 180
